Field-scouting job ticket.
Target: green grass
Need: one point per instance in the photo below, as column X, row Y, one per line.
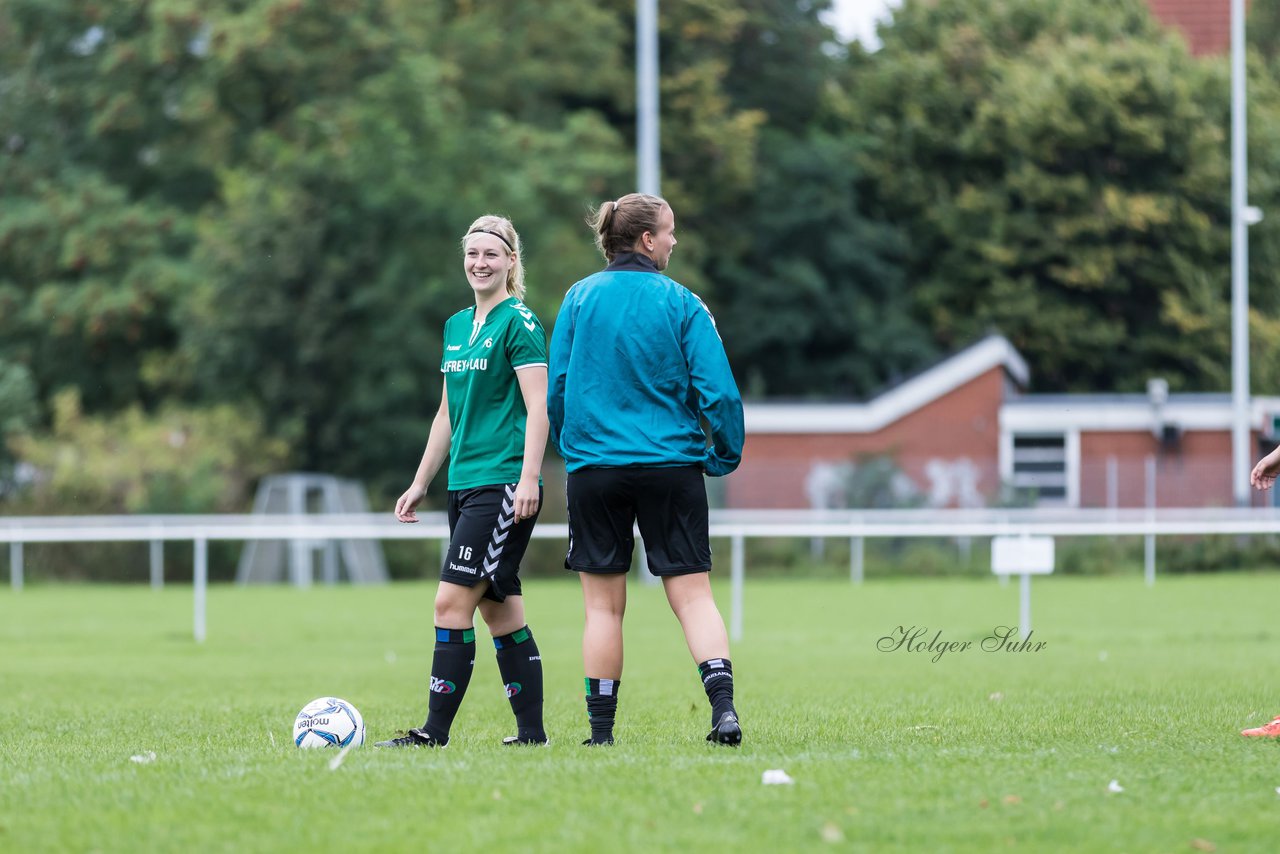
column 889, row 751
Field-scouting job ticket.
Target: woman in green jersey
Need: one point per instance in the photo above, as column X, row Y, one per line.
column 492, row 425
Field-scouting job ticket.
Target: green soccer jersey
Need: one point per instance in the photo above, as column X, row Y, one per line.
column 486, row 410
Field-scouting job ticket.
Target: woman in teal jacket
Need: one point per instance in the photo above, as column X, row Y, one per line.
column 636, row 366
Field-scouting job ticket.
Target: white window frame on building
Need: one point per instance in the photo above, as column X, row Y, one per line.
column 1031, row 460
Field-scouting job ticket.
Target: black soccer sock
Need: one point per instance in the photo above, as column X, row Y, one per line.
column 520, row 664
column 451, row 666
column 602, row 705
column 717, row 681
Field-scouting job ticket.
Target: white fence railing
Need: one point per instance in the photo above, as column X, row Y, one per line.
column 735, row 525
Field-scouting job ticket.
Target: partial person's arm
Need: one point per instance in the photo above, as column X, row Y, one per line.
column 438, row 442
column 533, row 388
column 718, row 396
column 557, row 368
column 1264, row 473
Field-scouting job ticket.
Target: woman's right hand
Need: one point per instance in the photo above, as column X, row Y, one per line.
column 1264, row 473
column 406, row 507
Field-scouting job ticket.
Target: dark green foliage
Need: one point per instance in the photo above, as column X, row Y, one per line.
column 1062, row 169
column 176, row 461
column 1262, row 29
column 820, row 305
column 261, row 202
column 258, row 204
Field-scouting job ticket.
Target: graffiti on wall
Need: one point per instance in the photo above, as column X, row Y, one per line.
column 953, row 483
column 878, row 482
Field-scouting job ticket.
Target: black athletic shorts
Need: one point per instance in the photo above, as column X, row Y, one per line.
column 486, row 543
column 668, row 504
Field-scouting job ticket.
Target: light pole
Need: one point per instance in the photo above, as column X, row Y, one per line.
column 647, row 163
column 1242, row 217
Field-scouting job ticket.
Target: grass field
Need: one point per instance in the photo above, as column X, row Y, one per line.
column 978, row 751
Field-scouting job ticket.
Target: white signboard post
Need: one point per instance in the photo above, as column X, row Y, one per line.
column 1025, row 556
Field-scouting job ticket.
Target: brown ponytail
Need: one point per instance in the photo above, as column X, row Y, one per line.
column 618, row 225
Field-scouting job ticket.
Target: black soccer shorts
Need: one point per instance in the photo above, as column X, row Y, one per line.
column 668, row 504
column 486, row 542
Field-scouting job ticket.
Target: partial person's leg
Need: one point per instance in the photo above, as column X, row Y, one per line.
column 601, row 508
column 452, row 661
column 604, row 598
column 471, row 519
column 694, row 606
column 519, row 660
column 1271, row 730
column 503, row 617
column 454, row 657
column 520, row 664
column 673, row 519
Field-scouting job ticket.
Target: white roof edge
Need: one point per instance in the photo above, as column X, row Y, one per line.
column 969, row 364
column 1030, row 415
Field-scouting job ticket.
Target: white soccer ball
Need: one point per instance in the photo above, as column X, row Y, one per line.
column 328, row 722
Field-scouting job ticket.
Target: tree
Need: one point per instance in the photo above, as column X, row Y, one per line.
column 177, row 460
column 820, row 307
column 259, row 203
column 1262, row 29
column 1061, row 169
column 99, row 172
column 18, row 414
column 806, row 286
column 332, row 259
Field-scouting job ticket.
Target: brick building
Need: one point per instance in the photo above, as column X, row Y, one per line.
column 965, row 433
column 1206, row 24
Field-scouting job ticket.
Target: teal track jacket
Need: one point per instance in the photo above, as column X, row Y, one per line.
column 635, row 361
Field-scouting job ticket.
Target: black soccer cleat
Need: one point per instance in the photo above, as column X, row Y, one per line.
column 595, row 742
column 515, row 739
column 726, row 731
column 413, row 738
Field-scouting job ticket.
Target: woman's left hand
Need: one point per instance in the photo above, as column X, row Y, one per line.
column 527, row 498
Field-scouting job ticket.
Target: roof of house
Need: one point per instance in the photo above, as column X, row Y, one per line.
column 891, row 405
column 1019, row 412
column 1124, row 412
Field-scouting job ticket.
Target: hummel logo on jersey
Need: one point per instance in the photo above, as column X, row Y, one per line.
column 527, row 315
column 452, row 347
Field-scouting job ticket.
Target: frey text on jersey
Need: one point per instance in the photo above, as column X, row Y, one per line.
column 455, row 366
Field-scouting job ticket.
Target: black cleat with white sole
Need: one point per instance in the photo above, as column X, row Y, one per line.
column 413, row 738
column 726, row 731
